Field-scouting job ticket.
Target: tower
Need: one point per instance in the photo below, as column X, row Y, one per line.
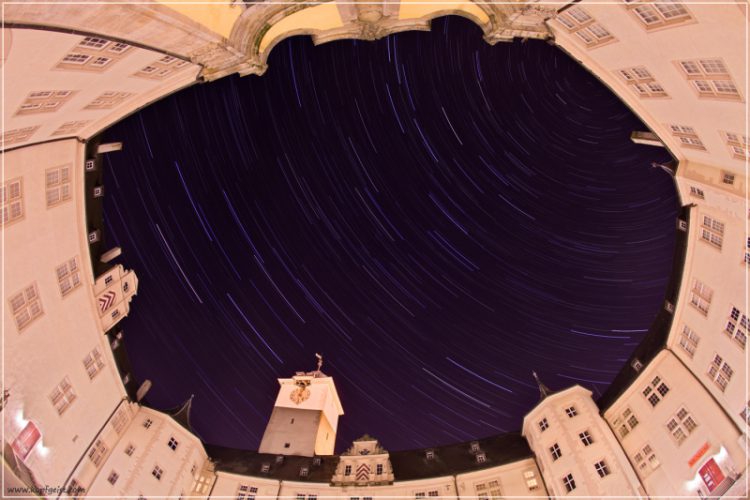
column 304, row 417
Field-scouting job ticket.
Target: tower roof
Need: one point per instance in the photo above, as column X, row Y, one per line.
column 544, row 391
column 181, row 414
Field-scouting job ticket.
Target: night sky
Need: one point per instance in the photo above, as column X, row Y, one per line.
column 435, row 215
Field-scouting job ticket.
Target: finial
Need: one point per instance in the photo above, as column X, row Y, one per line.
column 320, row 361
column 544, row 391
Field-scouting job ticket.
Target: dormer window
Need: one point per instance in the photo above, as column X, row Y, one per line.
column 303, row 471
column 430, row 454
column 265, row 468
column 316, row 461
column 481, row 457
column 280, row 459
column 474, row 446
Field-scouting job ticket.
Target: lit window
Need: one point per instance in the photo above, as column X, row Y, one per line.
column 700, row 296
column 93, row 363
column 712, row 231
column 531, row 481
column 571, row 411
column 481, row 457
column 303, row 471
column 569, row 483
column 601, row 468
column 97, row 452
column 689, row 340
column 26, row 306
column 720, row 372
column 586, row 438
column 555, row 451
column 681, row 425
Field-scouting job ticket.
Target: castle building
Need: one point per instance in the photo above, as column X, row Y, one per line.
column 672, row 424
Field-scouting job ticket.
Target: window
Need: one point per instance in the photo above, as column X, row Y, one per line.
column 689, row 340
column 26, row 306
column 601, row 468
column 246, row 492
column 75, row 490
column 120, row 420
column 97, row 452
column 18, row 135
column 348, row 470
column 44, row 101
column 543, row 424
column 167, row 60
column 586, row 438
column 62, row 396
column 108, row 100
column 642, row 83
column 432, row 493
column 172, row 443
column 710, row 78
column 474, row 446
column 555, row 451
column 745, row 414
column 157, row 472
column 68, row 276
column 379, row 469
column 12, row 201
column 481, row 457
column 681, row 425
column 316, row 460
column 656, row 391
column 161, row 68
column 118, row 47
column 697, row 192
column 712, row 231
column 645, row 460
column 147, row 423
column 687, row 137
column 531, row 481
column 569, row 483
column 571, row 411
column 737, row 326
column 720, row 372
column 58, row 182
column 738, row 148
column 747, row 251
column 579, row 22
column 727, row 178
column 265, row 468
column 700, row 296
column 101, row 61
column 129, row 449
column 93, row 363
column 419, row 494
column 113, row 477
column 75, row 58
column 93, row 43
column 303, row 471
column 659, row 15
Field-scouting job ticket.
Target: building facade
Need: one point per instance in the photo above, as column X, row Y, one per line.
column 674, row 422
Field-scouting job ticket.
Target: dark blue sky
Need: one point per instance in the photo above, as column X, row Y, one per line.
column 435, row 215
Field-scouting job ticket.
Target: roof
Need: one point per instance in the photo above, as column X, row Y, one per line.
column 250, row 463
column 181, row 414
column 458, row 458
column 656, row 338
column 407, row 465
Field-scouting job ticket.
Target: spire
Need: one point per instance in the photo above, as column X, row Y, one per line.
column 544, row 391
column 182, row 414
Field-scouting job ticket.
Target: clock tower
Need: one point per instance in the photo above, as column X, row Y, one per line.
column 304, row 417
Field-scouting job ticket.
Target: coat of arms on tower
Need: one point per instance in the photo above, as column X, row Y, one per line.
column 301, row 393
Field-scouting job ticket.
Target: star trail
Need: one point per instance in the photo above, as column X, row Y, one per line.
column 437, row 216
